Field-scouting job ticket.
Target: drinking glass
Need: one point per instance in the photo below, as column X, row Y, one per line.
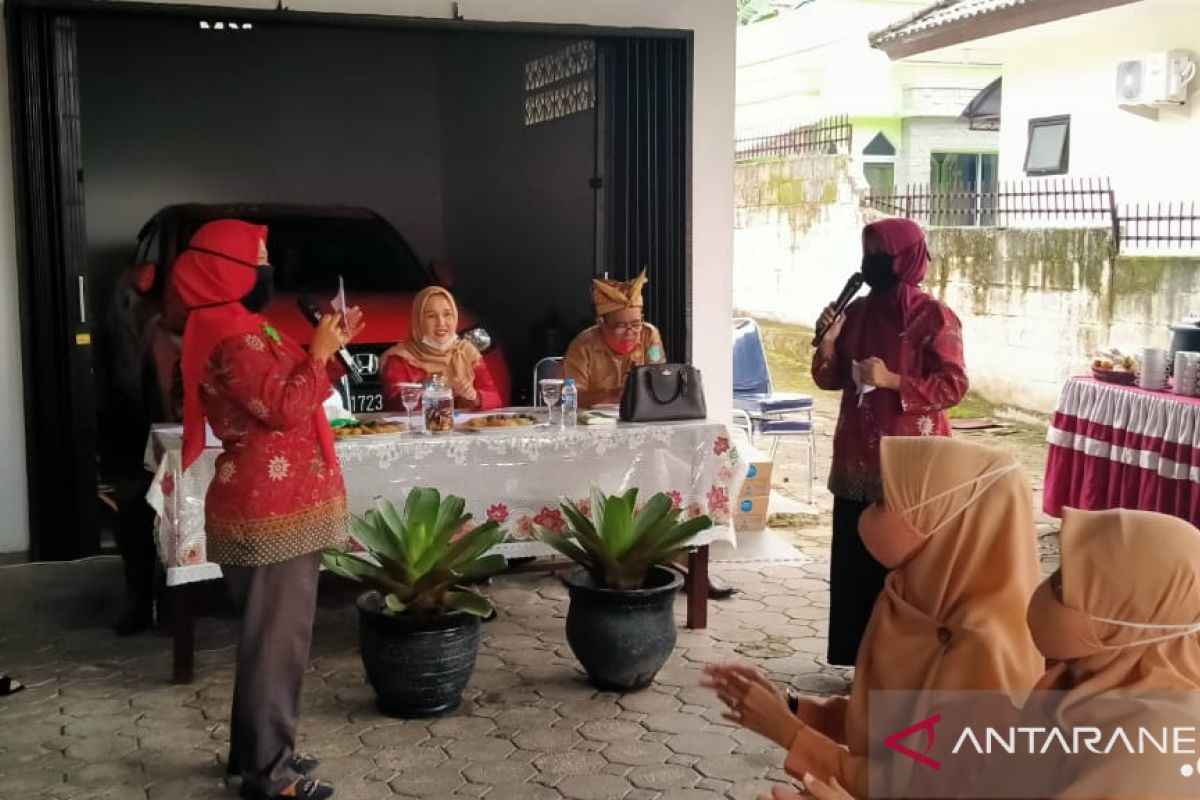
column 551, row 392
column 410, row 397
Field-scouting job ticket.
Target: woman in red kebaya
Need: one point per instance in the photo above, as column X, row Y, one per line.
column 906, row 349
column 278, row 496
column 435, row 348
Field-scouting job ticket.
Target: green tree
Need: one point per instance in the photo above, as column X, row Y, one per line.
column 754, row 11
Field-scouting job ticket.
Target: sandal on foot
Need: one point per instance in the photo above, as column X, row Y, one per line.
column 9, row 686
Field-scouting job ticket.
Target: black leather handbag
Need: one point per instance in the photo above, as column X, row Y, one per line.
column 663, row 393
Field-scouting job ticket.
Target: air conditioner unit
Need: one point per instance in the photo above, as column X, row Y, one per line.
column 1160, row 79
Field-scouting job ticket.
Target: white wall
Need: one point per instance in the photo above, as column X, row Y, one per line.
column 816, row 61
column 14, row 503
column 713, row 24
column 1069, row 67
column 797, row 235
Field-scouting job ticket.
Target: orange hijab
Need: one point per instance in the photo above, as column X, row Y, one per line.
column 957, row 524
column 1137, row 568
column 456, row 364
column 1129, row 620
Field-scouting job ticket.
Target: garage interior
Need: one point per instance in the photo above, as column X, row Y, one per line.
column 471, row 140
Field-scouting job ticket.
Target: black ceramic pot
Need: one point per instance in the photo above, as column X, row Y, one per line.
column 622, row 638
column 418, row 666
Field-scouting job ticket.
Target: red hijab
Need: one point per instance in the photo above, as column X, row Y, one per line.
column 212, row 276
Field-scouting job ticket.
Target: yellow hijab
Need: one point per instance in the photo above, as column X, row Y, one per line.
column 456, row 364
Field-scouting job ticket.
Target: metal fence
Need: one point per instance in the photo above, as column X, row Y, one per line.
column 1160, row 228
column 832, row 135
column 1089, row 202
column 1136, row 228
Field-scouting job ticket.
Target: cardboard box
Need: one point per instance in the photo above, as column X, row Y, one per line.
column 748, row 523
column 758, row 479
column 750, row 513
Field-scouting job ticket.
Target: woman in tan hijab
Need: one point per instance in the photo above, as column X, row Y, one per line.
column 956, row 529
column 599, row 359
column 1122, row 613
column 435, row 348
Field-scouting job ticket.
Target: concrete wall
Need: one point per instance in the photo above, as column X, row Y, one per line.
column 1035, row 304
column 926, row 135
column 1069, row 67
column 712, row 22
column 796, row 234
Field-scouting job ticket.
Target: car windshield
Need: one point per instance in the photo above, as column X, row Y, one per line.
column 310, row 252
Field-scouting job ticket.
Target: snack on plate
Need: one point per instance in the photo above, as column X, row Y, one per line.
column 345, row 428
column 1114, row 360
column 501, row 421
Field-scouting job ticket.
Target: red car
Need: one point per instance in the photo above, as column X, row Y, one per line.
column 310, row 247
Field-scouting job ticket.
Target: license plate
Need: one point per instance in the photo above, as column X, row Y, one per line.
column 366, row 403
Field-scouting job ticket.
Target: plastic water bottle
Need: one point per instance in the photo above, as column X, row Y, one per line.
column 570, row 404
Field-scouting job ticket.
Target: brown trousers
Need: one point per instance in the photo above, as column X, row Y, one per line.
column 277, row 603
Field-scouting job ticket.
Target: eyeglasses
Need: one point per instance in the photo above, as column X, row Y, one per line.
column 626, row 327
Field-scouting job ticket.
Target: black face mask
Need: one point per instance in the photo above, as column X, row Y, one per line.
column 260, row 294
column 877, row 270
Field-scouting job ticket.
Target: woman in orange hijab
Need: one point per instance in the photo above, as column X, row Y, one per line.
column 1122, row 613
column 956, row 530
column 435, row 348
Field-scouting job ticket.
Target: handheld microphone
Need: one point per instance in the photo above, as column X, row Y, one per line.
column 312, row 313
column 848, row 291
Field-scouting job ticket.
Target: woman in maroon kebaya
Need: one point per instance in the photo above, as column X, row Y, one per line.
column 909, row 351
column 277, row 498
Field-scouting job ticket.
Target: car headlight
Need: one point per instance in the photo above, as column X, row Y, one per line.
column 480, row 338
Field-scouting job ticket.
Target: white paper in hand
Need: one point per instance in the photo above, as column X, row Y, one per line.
column 338, row 304
column 859, row 387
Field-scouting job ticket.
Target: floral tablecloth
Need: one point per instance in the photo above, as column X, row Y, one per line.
column 514, row 476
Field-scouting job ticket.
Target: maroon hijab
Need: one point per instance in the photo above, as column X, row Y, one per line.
column 876, row 325
column 877, row 328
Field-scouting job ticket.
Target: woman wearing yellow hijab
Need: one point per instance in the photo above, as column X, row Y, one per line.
column 599, row 359
column 956, row 530
column 435, row 348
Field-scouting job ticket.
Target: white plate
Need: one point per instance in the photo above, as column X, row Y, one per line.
column 463, row 427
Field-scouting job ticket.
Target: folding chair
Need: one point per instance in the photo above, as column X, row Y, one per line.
column 758, row 408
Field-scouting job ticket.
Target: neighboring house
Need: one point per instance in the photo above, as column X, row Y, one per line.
column 815, row 62
column 1061, row 114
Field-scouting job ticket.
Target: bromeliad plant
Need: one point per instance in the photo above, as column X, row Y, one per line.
column 424, row 563
column 618, row 545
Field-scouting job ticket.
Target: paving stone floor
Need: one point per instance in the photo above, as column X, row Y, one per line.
column 101, row 720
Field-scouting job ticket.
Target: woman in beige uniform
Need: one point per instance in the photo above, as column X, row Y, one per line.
column 599, row 359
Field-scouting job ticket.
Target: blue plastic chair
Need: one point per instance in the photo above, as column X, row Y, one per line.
column 758, row 408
